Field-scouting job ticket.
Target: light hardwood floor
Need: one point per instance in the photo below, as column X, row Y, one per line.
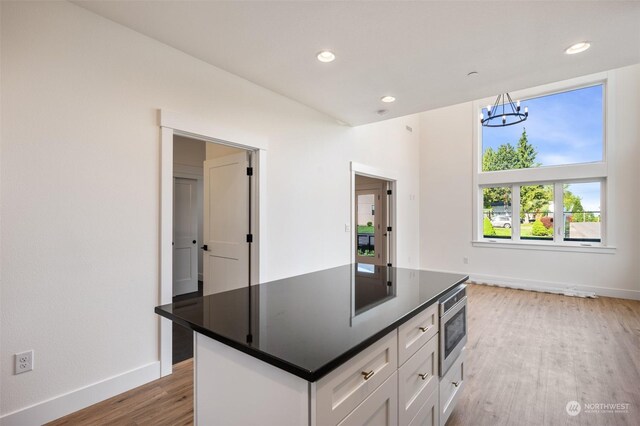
column 528, row 355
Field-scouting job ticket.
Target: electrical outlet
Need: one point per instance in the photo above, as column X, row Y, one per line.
column 24, row 362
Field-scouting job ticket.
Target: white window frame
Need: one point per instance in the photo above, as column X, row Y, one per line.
column 546, row 175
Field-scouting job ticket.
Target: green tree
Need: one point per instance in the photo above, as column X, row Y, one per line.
column 534, row 199
column 507, row 157
column 526, row 153
column 572, row 202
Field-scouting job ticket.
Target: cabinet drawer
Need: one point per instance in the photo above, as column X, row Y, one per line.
column 417, row 380
column 416, row 332
column 380, row 408
column 451, row 387
column 345, row 388
column 428, row 414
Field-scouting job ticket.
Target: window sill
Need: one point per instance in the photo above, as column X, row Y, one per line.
column 544, row 246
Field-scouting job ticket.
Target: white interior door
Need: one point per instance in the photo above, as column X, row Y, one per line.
column 226, row 223
column 185, row 230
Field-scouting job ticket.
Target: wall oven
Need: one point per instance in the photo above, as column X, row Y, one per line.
column 453, row 326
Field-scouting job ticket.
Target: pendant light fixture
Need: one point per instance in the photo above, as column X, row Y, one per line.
column 504, row 112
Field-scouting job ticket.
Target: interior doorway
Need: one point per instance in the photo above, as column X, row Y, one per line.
column 372, row 197
column 212, row 190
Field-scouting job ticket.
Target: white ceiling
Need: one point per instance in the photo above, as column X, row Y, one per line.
column 419, row 52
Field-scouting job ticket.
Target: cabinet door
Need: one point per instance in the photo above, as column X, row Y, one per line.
column 416, row 332
column 342, row 390
column 417, row 380
column 379, row 409
column 451, row 387
column 428, row 414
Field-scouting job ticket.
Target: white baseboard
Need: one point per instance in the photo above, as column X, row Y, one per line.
column 78, row 399
column 548, row 286
column 553, row 287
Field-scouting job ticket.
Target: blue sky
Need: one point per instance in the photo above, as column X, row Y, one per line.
column 564, row 128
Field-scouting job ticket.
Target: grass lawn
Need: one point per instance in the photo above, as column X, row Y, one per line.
column 525, row 231
column 364, row 229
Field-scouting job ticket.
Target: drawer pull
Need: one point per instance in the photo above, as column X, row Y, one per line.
column 424, row 376
column 456, row 384
column 367, row 374
column 424, row 329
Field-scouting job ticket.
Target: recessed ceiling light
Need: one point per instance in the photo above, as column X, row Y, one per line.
column 388, row 99
column 577, row 48
column 326, row 56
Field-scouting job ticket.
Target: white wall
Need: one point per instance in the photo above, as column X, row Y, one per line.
column 189, row 152
column 446, row 203
column 80, row 193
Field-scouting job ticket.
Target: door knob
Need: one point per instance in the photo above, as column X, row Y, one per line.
column 194, row 241
column 205, row 247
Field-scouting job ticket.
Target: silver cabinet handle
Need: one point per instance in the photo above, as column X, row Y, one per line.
column 367, row 374
column 424, row 376
column 456, row 384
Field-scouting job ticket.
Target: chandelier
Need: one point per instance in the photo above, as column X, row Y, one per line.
column 504, row 113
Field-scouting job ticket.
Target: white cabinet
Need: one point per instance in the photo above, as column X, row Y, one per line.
column 339, row 392
column 416, row 332
column 379, row 409
column 417, row 381
column 428, row 415
column 451, row 386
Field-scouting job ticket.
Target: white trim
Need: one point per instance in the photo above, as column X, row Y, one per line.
column 547, row 286
column 392, row 207
column 166, row 248
column 215, row 132
column 374, row 172
column 552, row 88
column 587, row 171
column 553, row 287
column 542, row 245
column 176, row 124
column 189, row 172
column 83, row 397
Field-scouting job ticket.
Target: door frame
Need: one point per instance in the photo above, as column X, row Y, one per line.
column 170, row 124
column 392, row 207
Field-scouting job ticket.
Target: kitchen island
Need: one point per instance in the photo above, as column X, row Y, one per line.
column 338, row 346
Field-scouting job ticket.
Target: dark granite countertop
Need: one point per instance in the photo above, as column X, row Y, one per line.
column 310, row 324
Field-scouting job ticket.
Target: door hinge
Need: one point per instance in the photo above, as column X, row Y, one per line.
column 388, row 192
column 388, row 228
column 249, row 238
column 388, row 264
column 249, row 171
column 389, row 283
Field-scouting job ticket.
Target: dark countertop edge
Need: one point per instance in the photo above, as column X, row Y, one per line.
column 310, row 376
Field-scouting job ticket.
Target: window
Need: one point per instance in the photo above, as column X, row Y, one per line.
column 562, row 128
column 541, row 183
